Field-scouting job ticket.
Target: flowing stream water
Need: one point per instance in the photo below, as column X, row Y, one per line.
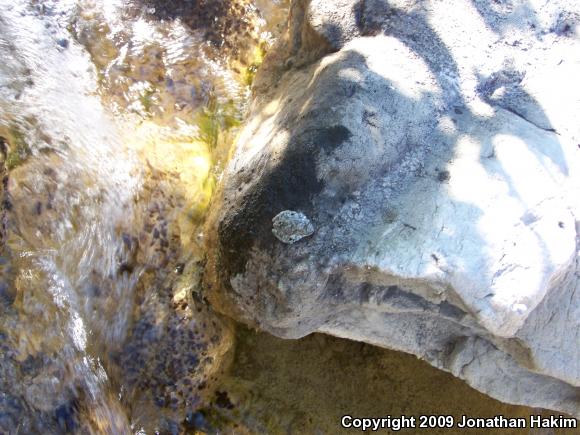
column 116, row 118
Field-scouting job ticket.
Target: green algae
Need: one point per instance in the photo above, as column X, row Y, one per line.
column 17, row 148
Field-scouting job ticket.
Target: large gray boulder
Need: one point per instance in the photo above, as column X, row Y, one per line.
column 434, row 152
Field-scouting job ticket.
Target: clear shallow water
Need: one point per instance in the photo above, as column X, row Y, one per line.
column 115, row 120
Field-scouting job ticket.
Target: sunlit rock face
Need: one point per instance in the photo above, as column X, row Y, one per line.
column 435, row 151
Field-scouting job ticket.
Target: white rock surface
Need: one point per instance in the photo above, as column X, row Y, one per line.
column 436, row 152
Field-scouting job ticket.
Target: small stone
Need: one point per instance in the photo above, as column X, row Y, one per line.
column 291, row 226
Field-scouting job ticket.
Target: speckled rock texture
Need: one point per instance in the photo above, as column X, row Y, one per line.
column 435, row 149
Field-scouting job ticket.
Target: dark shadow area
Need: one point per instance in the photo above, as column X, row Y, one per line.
column 497, row 13
column 225, row 24
column 322, row 378
column 500, row 15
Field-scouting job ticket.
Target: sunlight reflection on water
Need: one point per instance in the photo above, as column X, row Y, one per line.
column 115, row 121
